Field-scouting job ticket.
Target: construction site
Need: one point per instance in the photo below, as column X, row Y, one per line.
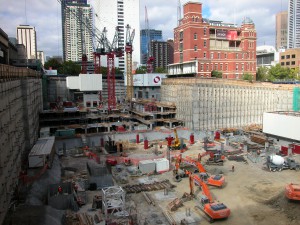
column 86, row 149
column 198, row 156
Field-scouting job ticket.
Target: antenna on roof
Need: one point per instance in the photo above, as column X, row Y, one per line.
column 178, row 12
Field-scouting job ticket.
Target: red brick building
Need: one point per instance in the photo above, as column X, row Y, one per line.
column 202, row 46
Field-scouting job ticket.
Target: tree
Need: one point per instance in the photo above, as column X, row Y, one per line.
column 69, row 68
column 262, row 73
column 278, row 72
column 248, row 76
column 104, row 70
column 141, row 70
column 216, row 74
column 160, row 70
column 53, row 64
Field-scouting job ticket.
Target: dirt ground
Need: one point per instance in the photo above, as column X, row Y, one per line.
column 253, row 194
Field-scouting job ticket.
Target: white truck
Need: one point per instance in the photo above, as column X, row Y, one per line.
column 278, row 163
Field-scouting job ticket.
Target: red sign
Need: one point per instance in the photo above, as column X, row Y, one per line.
column 231, row 35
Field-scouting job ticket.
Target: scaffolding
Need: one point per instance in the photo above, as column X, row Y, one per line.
column 113, row 202
column 212, row 104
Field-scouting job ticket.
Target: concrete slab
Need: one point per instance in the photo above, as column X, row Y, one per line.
column 191, row 218
column 160, row 196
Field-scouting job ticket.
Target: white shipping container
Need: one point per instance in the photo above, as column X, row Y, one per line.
column 162, row 165
column 147, row 166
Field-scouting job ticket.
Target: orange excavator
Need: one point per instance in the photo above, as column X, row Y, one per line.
column 292, row 191
column 214, row 210
column 213, row 180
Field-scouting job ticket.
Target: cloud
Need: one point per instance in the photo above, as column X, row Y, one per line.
column 45, row 16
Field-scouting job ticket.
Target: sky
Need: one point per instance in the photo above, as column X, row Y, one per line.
column 45, row 16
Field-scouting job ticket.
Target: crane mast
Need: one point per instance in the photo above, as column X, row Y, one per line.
column 128, row 50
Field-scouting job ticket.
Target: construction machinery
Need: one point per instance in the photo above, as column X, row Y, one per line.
column 213, row 180
column 214, row 210
column 278, row 163
column 292, row 191
column 176, row 145
column 215, row 159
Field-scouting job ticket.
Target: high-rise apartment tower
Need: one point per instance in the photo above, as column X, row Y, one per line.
column 293, row 24
column 77, row 23
column 281, row 30
column 26, row 35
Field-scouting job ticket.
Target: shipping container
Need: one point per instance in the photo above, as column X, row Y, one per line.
column 162, row 165
column 42, row 152
column 147, row 166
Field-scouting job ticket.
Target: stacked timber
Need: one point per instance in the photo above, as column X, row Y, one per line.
column 259, row 139
column 136, row 188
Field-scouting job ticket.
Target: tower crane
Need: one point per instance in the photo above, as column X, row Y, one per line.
column 128, row 50
column 150, row 58
column 111, row 50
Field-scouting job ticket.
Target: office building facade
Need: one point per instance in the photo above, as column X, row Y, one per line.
column 163, row 52
column 293, row 24
column 146, row 37
column 119, row 13
column 202, row 46
column 77, row 20
column 26, row 35
column 281, row 30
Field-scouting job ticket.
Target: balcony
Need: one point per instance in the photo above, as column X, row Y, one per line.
column 233, row 49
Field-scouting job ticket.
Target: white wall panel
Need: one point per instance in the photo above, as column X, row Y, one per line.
column 73, row 82
column 282, row 125
column 90, row 82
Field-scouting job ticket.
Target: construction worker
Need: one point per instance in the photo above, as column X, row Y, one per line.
column 60, row 190
column 232, row 168
column 199, row 157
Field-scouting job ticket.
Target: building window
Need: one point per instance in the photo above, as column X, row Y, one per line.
column 293, row 63
column 193, row 19
column 242, row 55
column 195, row 36
column 221, row 67
column 226, row 67
column 219, row 55
column 204, row 55
column 225, row 55
column 201, row 67
column 212, row 55
column 236, row 67
column 180, row 47
column 288, row 56
column 237, row 55
column 242, row 67
column 207, row 67
column 204, row 43
column 216, row 66
column 181, row 35
column 287, row 63
column 195, row 48
column 204, row 31
column 293, row 56
column 282, row 57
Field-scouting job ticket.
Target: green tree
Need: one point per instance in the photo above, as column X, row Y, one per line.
column 216, row 74
column 278, row 72
column 141, row 70
column 69, row 68
column 262, row 73
column 248, row 76
column 104, row 70
column 294, row 73
column 52, row 63
column 160, row 70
